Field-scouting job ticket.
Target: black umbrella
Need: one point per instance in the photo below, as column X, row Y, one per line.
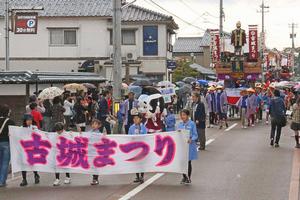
column 186, row 89
column 189, row 80
column 142, row 83
column 180, row 83
column 148, row 90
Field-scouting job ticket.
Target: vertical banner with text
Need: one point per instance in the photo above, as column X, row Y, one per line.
column 253, row 43
column 215, row 46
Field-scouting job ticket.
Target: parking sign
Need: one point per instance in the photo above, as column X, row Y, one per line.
column 25, row 23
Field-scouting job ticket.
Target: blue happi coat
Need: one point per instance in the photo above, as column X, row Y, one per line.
column 170, row 122
column 191, row 126
column 137, row 129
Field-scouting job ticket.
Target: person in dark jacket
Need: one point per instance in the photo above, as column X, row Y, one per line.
column 47, row 116
column 199, row 117
column 58, row 111
column 5, row 122
column 277, row 112
column 80, row 114
column 104, row 112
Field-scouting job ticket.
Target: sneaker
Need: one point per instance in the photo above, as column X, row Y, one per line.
column 142, row 180
column 226, row 125
column 23, row 183
column 183, row 181
column 220, row 127
column 137, row 180
column 252, row 125
column 272, row 142
column 67, row 180
column 188, row 181
column 276, row 145
column 56, row 182
column 95, row 182
column 37, row 179
column 267, row 122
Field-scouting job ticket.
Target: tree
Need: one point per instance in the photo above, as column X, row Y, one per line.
column 183, row 70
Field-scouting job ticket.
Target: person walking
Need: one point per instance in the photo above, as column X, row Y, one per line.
column 199, row 117
column 251, row 106
column 104, row 112
column 211, row 105
column 47, row 116
column 68, row 106
column 188, row 124
column 295, row 125
column 129, row 104
column 242, row 104
column 278, row 119
column 221, row 106
column 58, row 111
column 80, row 110
column 5, row 122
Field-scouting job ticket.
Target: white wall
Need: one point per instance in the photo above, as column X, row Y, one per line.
column 93, row 41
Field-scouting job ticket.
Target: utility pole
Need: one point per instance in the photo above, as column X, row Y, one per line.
column 221, row 26
column 7, row 67
column 263, row 10
column 117, row 62
column 292, row 36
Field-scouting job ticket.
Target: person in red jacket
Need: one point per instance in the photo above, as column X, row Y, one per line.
column 36, row 115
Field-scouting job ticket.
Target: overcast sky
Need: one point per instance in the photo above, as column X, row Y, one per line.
column 204, row 14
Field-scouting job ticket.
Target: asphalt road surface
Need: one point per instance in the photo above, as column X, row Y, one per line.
column 238, row 164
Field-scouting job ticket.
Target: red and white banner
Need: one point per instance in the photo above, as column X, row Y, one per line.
column 215, row 46
column 233, row 95
column 253, row 42
column 93, row 153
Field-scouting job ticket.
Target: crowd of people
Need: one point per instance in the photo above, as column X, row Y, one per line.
column 202, row 108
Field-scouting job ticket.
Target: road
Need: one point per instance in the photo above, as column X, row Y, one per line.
column 238, row 164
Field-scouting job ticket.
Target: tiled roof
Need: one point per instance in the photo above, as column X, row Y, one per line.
column 87, row 8
column 188, row 45
column 202, row 70
column 206, row 38
column 23, row 77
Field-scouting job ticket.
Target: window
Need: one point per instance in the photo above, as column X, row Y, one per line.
column 62, row 37
column 128, row 37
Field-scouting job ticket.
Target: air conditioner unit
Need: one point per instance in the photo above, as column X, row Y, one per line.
column 131, row 56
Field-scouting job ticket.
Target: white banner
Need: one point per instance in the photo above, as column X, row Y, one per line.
column 91, row 153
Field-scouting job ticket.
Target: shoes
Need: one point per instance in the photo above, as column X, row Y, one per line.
column 37, row 179
column 272, row 142
column 226, row 125
column 276, row 145
column 252, row 125
column 183, row 180
column 267, row 122
column 95, row 182
column 56, row 182
column 67, row 180
column 142, row 180
column 221, row 127
column 2, row 185
column 188, row 181
column 297, row 146
column 23, row 183
column 137, row 180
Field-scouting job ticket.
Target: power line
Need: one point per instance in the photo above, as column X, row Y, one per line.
column 183, row 20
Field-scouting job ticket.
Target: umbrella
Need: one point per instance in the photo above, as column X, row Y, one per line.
column 165, row 84
column 297, row 86
column 137, row 90
column 89, row 86
column 150, row 90
column 50, row 93
column 203, row 82
column 212, row 83
column 186, row 89
column 142, row 83
column 124, row 85
column 74, row 87
column 189, row 80
column 180, row 83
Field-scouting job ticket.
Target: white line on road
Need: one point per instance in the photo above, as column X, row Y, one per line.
column 231, row 127
column 138, row 189
column 209, row 141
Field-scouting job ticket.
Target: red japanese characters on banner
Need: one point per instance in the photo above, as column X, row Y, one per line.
column 215, row 46
column 253, row 42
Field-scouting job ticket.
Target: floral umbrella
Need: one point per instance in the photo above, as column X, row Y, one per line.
column 89, row 86
column 50, row 93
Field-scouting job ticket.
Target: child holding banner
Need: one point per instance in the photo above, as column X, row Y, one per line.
column 138, row 128
column 96, row 125
column 59, row 128
column 188, row 124
column 28, row 123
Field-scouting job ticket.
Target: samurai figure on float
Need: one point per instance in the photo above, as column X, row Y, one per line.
column 238, row 40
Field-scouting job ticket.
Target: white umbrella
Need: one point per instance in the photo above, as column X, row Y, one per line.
column 50, row 93
column 165, row 84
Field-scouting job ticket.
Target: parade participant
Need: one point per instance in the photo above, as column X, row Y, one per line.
column 36, row 115
column 40, row 106
column 58, row 111
column 251, row 106
column 47, row 116
column 266, row 101
column 28, row 123
column 120, row 117
column 170, row 119
column 187, row 124
column 259, row 102
column 59, row 128
column 104, row 112
column 278, row 119
column 5, row 122
column 80, row 110
column 295, row 126
column 199, row 117
column 137, row 128
column 221, row 106
column 211, row 104
column 242, row 104
column 129, row 104
column 68, row 105
column 95, row 125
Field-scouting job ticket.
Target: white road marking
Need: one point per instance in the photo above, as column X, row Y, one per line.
column 209, row 141
column 139, row 188
column 231, row 127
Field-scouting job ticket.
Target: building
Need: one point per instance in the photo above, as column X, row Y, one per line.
column 75, row 34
